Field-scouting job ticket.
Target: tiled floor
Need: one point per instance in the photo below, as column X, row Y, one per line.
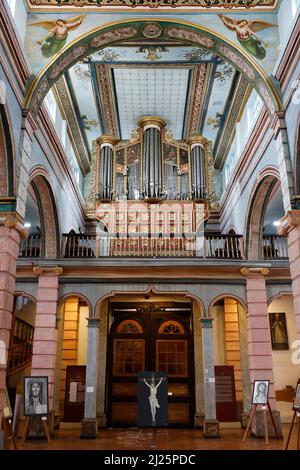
column 133, row 439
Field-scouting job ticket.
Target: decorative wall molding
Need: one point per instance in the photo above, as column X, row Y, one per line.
column 104, row 82
column 289, row 222
column 15, row 221
column 227, row 135
column 249, row 271
column 79, row 147
column 38, row 270
column 236, row 4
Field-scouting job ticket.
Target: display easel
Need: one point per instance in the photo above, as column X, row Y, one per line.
column 44, row 421
column 8, row 433
column 265, row 418
column 296, row 413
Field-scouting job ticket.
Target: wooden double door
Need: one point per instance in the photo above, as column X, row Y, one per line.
column 150, row 337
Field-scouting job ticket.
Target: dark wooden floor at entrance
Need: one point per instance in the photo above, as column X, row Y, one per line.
column 183, row 439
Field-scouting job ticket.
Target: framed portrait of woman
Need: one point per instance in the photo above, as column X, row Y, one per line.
column 278, row 330
column 36, row 400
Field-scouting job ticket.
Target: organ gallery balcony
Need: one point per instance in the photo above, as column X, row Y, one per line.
column 159, row 245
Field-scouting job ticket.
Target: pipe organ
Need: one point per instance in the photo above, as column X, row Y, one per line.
column 152, row 191
column 152, row 166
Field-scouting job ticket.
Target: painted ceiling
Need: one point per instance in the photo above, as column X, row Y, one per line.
column 192, row 90
column 45, row 38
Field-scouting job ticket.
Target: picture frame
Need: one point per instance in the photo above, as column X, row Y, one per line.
column 260, row 394
column 7, row 411
column 278, row 330
column 36, row 397
column 296, row 402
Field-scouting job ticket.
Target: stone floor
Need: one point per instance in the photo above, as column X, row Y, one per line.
column 175, row 439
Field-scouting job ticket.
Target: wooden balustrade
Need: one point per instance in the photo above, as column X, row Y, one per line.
column 154, row 245
column 30, row 247
column 274, row 247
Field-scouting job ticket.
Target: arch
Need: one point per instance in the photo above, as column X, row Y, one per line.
column 24, row 294
column 48, row 212
column 169, row 29
column 6, row 156
column 256, row 209
column 67, row 296
column 279, row 295
column 222, row 296
column 150, row 291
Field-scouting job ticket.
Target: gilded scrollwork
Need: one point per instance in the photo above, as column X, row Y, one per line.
column 228, row 4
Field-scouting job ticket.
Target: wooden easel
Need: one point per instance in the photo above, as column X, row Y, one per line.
column 8, row 433
column 296, row 413
column 265, row 417
column 44, row 420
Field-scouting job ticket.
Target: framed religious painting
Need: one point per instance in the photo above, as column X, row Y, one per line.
column 279, row 336
column 260, row 393
column 36, row 401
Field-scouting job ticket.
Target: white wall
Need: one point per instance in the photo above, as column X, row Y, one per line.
column 19, row 15
column 285, row 372
column 287, row 17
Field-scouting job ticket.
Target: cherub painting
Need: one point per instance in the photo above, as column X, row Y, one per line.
column 57, row 34
column 245, row 31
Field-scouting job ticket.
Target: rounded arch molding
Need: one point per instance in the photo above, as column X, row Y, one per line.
column 265, row 183
column 82, row 297
column 48, row 208
column 151, row 291
column 167, row 29
column 229, row 296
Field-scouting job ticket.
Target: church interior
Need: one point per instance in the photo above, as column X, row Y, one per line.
column 149, row 224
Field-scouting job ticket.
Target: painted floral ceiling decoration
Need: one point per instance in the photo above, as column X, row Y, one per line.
column 156, row 3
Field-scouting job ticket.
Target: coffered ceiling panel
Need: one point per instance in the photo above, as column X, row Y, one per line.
column 153, row 92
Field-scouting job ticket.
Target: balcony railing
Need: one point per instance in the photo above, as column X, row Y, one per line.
column 30, row 247
column 274, row 247
column 156, row 245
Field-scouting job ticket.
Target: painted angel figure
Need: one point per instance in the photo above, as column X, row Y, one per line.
column 245, row 31
column 57, row 34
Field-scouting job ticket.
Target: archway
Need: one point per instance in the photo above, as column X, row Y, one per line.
column 6, row 157
column 145, row 29
column 264, row 212
column 148, row 306
column 71, row 358
column 41, row 214
column 231, row 355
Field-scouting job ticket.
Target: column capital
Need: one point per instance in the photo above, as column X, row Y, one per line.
column 278, row 123
column 195, row 140
column 249, row 271
column 15, row 221
column 107, row 140
column 38, row 270
column 93, row 322
column 152, row 121
column 289, row 222
column 206, row 322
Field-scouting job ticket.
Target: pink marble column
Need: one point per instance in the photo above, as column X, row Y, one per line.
column 259, row 336
column 290, row 227
column 45, row 332
column 11, row 230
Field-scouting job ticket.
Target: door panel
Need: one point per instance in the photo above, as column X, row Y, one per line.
column 150, row 339
column 225, row 394
column 75, row 394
